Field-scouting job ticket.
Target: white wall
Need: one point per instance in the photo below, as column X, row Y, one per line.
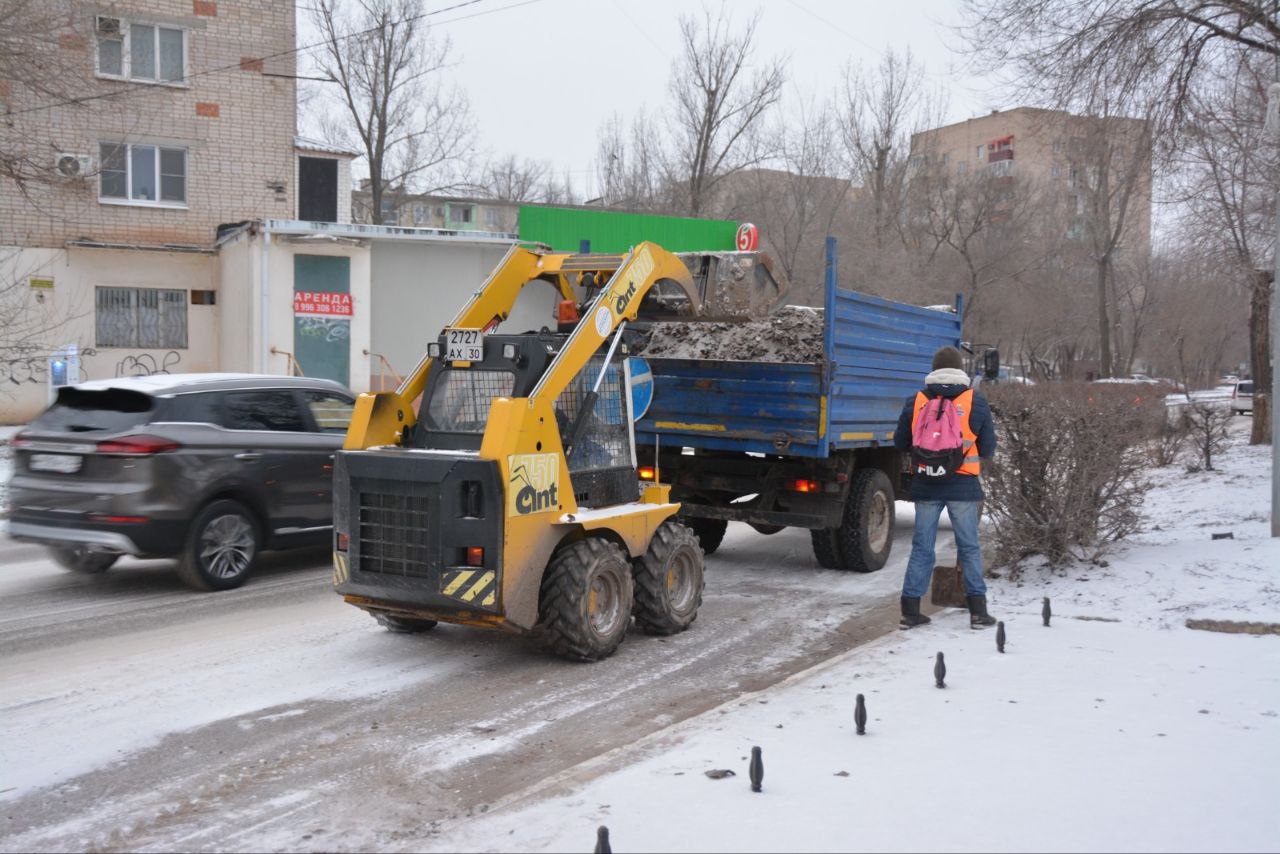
column 418, row 288
column 66, row 316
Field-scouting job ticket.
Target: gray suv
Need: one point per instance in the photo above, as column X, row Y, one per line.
column 208, row 468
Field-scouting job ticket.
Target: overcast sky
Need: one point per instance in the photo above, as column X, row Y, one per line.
column 543, row 75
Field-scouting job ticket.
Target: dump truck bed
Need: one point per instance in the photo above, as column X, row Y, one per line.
column 876, row 352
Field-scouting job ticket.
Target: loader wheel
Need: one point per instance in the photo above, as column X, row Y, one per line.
column 404, row 625
column 866, row 531
column 669, row 581
column 586, row 600
column 710, row 532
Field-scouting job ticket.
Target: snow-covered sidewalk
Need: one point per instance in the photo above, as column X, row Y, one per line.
column 1116, row 728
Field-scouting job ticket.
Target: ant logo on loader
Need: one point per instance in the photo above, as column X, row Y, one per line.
column 534, row 485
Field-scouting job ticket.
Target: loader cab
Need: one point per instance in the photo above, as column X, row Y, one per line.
column 454, row 411
column 455, row 402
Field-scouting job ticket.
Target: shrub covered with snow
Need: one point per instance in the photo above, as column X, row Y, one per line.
column 1068, row 479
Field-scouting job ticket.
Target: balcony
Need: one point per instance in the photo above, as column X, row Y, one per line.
column 1002, row 154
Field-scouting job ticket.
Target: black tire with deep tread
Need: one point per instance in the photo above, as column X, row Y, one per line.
column 710, row 532
column 190, row 568
column 767, row 530
column 404, row 625
column 826, row 547
column 81, row 560
column 564, row 619
column 655, row 613
column 854, row 549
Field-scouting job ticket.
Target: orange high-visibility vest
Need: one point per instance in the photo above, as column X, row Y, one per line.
column 964, row 406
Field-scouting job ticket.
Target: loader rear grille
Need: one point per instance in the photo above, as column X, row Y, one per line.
column 393, row 534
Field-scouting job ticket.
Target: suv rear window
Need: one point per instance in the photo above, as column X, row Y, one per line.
column 108, row 411
column 1244, row 388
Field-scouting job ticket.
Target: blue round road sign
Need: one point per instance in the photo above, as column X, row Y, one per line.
column 641, row 387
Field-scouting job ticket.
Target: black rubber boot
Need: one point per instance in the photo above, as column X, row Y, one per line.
column 911, row 616
column 978, row 616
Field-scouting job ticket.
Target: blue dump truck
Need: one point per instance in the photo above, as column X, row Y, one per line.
column 781, row 444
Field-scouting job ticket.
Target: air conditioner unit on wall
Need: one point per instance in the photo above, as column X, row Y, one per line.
column 108, row 27
column 73, row 165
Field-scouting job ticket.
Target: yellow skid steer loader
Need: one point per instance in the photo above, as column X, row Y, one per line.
column 508, row 498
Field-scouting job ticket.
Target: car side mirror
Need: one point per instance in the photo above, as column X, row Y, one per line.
column 991, row 364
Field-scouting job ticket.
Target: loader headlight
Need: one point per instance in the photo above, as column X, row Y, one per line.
column 508, row 351
column 433, row 350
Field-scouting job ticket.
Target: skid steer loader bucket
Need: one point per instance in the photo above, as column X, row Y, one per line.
column 729, row 286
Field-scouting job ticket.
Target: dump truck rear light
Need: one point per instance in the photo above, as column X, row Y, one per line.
column 344, row 543
column 647, row 473
column 475, row 556
column 137, row 446
column 803, row 485
column 119, row 520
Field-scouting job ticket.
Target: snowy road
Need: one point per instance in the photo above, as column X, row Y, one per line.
column 139, row 715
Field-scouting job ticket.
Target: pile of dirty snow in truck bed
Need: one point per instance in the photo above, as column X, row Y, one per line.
column 792, row 334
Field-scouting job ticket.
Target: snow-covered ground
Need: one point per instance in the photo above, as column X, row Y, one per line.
column 1115, row 728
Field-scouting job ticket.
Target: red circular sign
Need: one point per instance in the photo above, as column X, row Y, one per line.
column 748, row 238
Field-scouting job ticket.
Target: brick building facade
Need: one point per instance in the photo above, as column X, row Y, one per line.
column 188, row 123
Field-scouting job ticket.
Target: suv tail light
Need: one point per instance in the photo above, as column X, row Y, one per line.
column 137, row 446
column 19, row 440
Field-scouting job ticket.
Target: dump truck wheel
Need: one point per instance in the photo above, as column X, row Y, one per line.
column 669, row 581
column 710, row 532
column 586, row 600
column 404, row 625
column 866, row 531
column 826, row 547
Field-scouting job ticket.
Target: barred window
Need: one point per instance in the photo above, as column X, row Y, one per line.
column 142, row 318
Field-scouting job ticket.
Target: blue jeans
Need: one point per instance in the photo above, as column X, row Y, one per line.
column 964, row 520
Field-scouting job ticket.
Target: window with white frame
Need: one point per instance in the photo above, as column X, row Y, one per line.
column 141, row 318
column 419, row 214
column 141, row 51
column 142, row 174
column 491, row 218
column 460, row 213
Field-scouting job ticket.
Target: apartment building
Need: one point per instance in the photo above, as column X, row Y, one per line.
column 178, row 223
column 1054, row 152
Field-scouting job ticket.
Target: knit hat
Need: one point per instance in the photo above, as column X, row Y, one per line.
column 948, row 357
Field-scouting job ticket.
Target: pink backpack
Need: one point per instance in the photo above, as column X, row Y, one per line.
column 937, row 443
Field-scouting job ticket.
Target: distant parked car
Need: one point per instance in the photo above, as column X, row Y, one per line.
column 1242, row 397
column 208, row 468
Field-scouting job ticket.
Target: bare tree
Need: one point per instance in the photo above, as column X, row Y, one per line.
column 881, row 108
column 1225, row 182
column 41, row 62
column 513, row 180
column 720, row 97
column 1110, row 168
column 629, row 165
column 1160, row 53
column 415, row 131
column 796, row 204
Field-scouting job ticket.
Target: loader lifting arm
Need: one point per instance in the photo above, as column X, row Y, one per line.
column 381, row 418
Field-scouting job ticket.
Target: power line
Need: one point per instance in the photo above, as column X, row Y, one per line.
column 150, row 87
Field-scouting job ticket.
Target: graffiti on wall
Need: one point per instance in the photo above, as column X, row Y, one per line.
column 147, row 365
column 329, row 329
column 32, row 365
